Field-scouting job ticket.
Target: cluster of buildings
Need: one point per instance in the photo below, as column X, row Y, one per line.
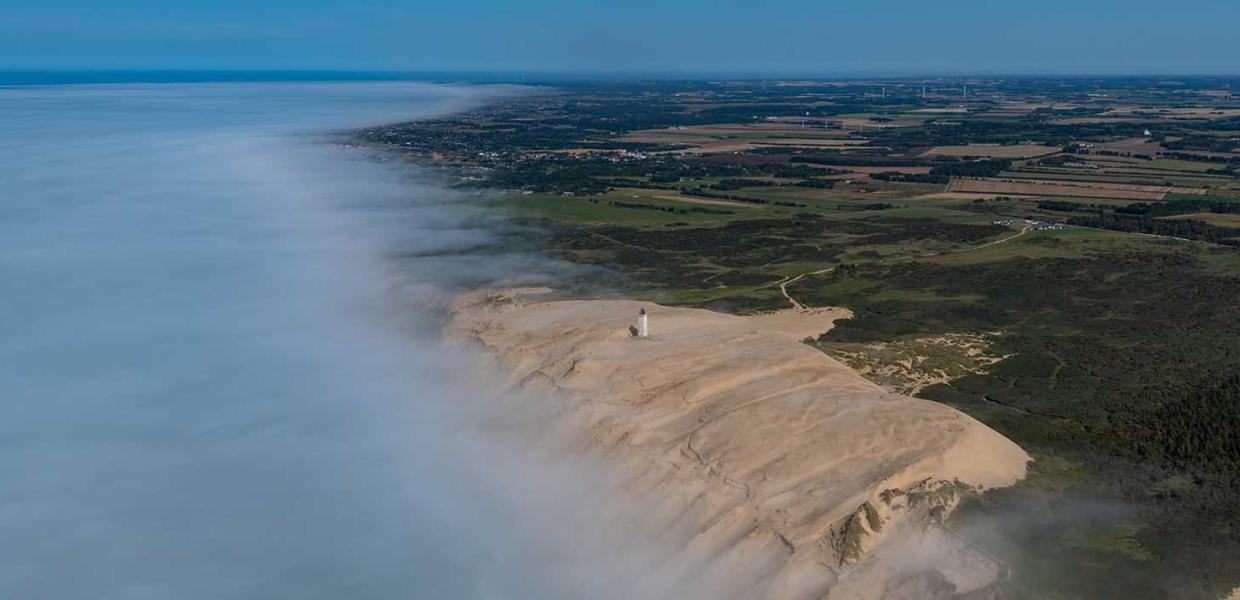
column 1043, row 225
column 608, row 154
column 1033, row 224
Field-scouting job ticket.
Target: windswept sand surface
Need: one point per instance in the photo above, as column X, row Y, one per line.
column 770, row 463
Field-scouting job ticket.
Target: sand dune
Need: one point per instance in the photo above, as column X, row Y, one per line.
column 769, row 462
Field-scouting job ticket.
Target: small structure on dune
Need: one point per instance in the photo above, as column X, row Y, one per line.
column 643, row 324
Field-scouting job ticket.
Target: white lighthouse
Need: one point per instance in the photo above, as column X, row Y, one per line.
column 643, row 326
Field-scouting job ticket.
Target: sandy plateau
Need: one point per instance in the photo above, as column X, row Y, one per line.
column 769, row 463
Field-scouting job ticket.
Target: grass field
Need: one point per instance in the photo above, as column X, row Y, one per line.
column 1168, row 164
column 600, row 211
column 1063, row 187
column 993, row 150
column 1221, row 220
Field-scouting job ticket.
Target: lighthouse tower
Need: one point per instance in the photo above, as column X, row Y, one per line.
column 643, row 326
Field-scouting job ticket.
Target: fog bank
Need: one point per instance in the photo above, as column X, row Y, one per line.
column 217, row 381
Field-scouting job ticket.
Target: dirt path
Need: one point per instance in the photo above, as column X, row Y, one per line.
column 783, row 286
column 1009, row 238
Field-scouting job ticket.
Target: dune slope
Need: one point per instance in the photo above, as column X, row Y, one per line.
column 770, row 462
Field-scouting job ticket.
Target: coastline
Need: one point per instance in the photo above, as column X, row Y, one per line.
column 770, row 462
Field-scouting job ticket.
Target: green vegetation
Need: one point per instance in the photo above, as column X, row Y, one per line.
column 872, row 518
column 1077, row 326
column 1114, row 368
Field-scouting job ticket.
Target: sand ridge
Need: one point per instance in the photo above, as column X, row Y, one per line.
column 773, row 458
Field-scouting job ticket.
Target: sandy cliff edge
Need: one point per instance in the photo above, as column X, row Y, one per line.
column 772, row 462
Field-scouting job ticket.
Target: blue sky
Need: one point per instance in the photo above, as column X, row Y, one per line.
column 633, row 36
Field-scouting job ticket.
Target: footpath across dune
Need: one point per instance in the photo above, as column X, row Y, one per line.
column 769, row 461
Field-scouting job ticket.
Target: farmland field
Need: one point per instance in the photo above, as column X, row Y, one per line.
column 1027, row 255
column 1221, row 220
column 1053, row 187
column 993, row 151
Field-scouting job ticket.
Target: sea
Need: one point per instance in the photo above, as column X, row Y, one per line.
column 218, row 375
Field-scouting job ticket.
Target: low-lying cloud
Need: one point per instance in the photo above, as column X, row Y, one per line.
column 219, row 379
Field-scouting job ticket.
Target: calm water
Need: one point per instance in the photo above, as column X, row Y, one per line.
column 208, row 387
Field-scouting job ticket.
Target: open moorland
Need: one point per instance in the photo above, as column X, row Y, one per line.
column 1058, row 259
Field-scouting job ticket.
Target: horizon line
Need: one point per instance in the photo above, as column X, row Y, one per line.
column 34, row 76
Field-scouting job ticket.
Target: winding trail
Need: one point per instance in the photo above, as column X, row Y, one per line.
column 783, row 286
column 1026, row 229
